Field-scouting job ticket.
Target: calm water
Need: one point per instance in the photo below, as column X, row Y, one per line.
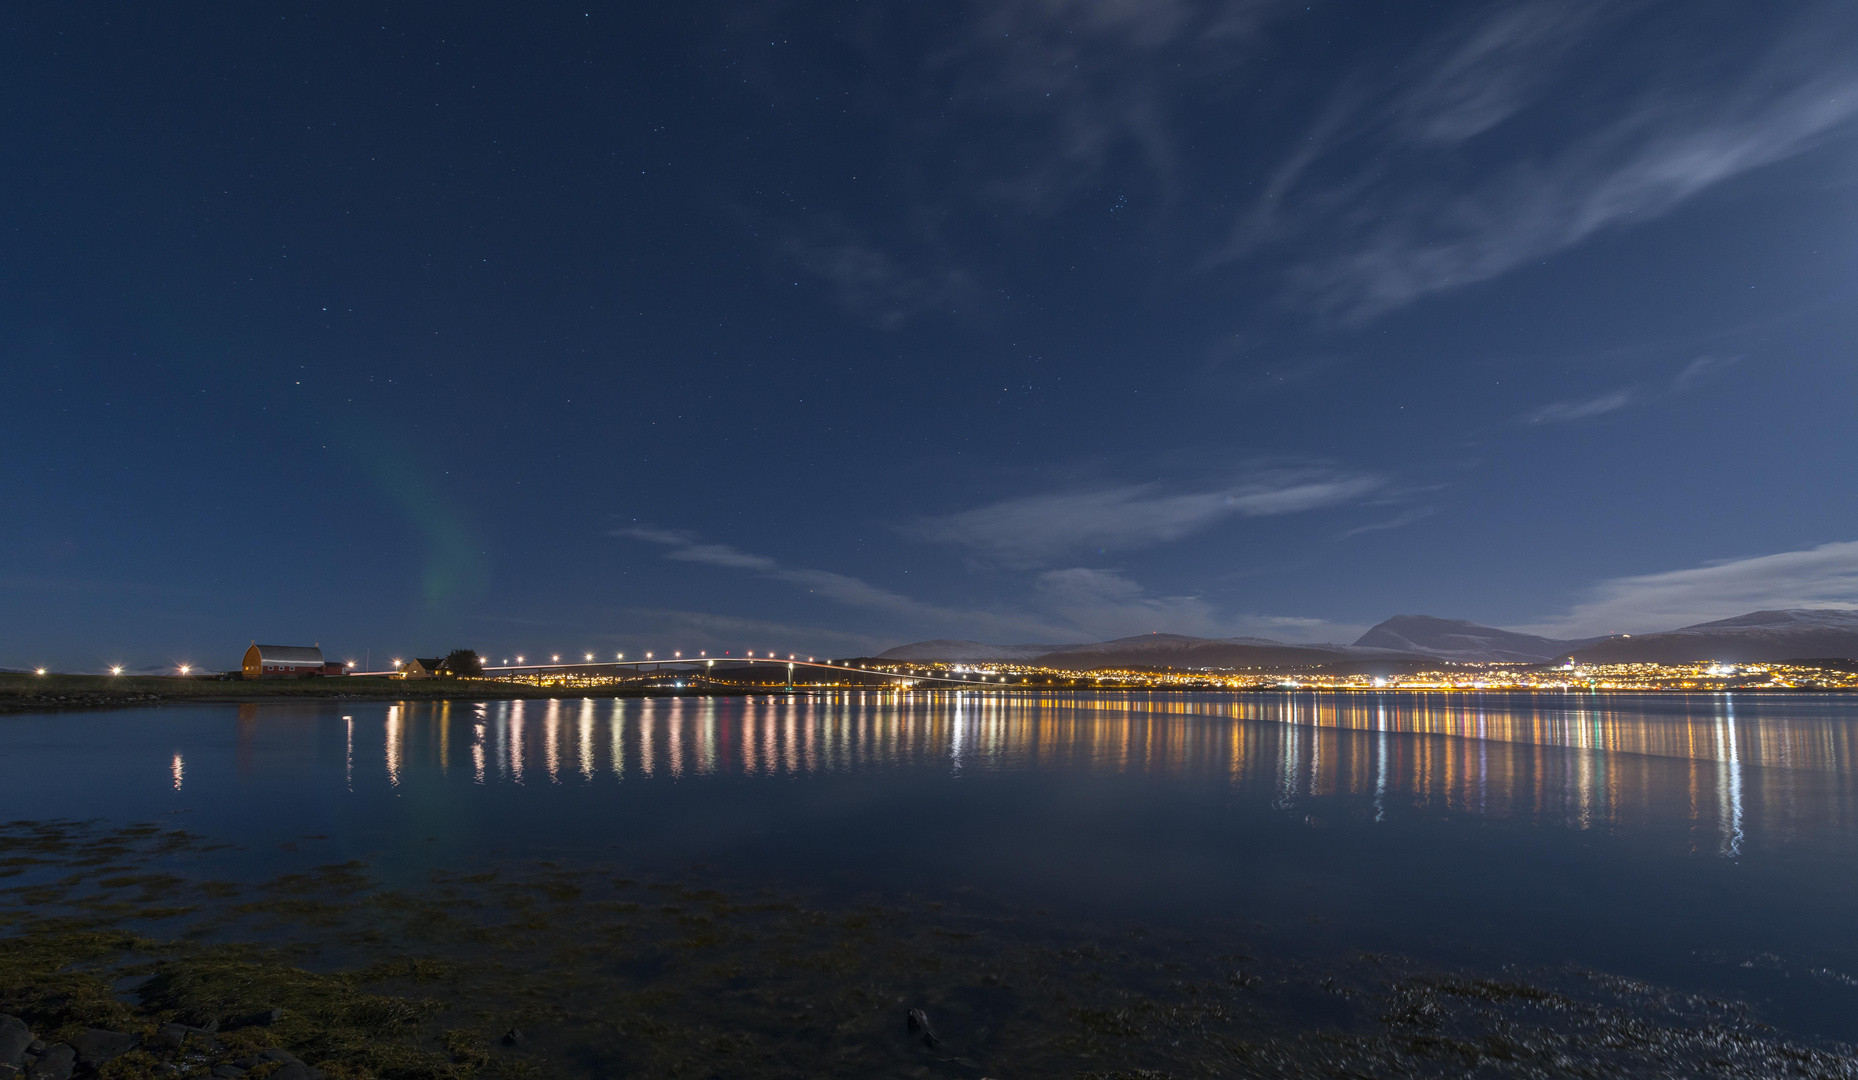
column 1704, row 842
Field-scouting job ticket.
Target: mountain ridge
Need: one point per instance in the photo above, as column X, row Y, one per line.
column 1759, row 636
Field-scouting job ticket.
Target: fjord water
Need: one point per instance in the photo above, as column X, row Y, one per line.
column 1701, row 842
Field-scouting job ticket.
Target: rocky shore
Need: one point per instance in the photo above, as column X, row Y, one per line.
column 169, row 1049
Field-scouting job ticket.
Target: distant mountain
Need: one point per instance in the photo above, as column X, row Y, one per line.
column 1180, row 651
column 959, row 651
column 1456, row 639
column 1753, row 638
column 1146, row 650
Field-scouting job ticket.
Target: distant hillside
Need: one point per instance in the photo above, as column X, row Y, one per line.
column 1146, row 650
column 1456, row 639
column 1753, row 638
column 1179, row 651
column 948, row 649
column 1758, row 636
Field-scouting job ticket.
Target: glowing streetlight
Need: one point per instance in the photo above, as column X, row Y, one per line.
column 619, row 656
column 648, row 656
column 397, row 663
column 590, row 657
column 554, row 658
column 185, row 668
column 41, row 671
column 116, row 669
column 679, row 654
column 519, row 659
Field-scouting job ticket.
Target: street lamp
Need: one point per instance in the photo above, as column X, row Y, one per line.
column 116, row 669
column 185, row 668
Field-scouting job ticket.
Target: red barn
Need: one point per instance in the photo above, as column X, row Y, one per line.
column 284, row 662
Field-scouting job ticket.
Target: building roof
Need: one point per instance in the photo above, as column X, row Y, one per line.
column 289, row 654
column 433, row 664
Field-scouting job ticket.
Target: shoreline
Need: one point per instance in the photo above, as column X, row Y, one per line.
column 27, row 693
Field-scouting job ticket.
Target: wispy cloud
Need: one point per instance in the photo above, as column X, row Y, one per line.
column 1822, row 577
column 1431, row 216
column 703, row 629
column 840, row 588
column 1398, row 521
column 1103, row 604
column 1701, row 370
column 1033, row 529
column 1561, row 412
column 888, row 288
column 1070, row 604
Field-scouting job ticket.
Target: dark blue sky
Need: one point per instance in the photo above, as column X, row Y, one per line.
column 832, row 326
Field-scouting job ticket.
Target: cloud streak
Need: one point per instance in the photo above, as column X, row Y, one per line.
column 1822, row 577
column 1436, row 215
column 1033, row 529
column 1561, row 412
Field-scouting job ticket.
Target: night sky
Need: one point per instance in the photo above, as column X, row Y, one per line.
column 831, row 326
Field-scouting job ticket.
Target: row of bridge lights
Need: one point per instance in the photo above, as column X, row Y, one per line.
column 555, row 658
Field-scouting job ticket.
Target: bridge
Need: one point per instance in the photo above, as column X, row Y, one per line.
column 706, row 666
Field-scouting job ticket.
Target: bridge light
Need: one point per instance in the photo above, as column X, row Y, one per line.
column 556, row 658
column 648, row 656
column 590, row 657
column 519, row 659
column 619, row 656
column 679, row 654
column 185, row 668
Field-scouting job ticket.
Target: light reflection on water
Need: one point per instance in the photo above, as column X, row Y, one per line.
column 1309, row 746
column 1673, row 837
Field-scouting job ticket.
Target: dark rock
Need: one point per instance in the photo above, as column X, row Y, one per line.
column 262, row 1018
column 15, row 1036
column 918, row 1025
column 297, row 1070
column 278, row 1053
column 55, row 1064
column 36, row 1046
column 174, row 1036
column 11, row 1072
column 513, row 1037
column 227, row 1072
column 97, row 1046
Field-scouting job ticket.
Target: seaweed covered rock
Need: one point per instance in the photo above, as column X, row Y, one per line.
column 15, row 1036
column 57, row 1063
